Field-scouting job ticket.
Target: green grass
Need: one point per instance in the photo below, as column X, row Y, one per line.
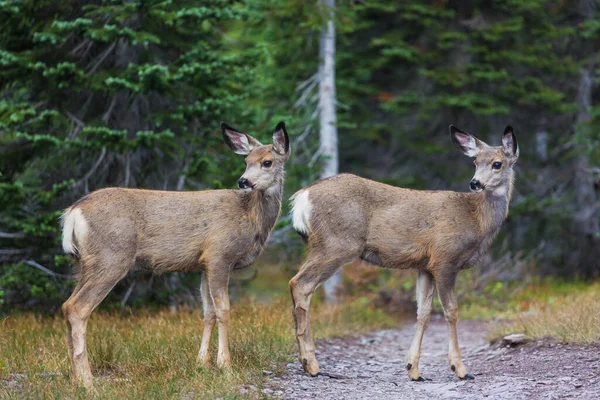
column 565, row 312
column 152, row 354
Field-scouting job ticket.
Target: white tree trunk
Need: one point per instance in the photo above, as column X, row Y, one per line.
column 585, row 192
column 328, row 136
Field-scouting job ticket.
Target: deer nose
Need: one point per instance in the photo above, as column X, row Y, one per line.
column 243, row 183
column 475, row 184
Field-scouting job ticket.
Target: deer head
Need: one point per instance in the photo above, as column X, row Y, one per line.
column 264, row 163
column 493, row 164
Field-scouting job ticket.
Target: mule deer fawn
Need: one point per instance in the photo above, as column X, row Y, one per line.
column 214, row 231
column 345, row 218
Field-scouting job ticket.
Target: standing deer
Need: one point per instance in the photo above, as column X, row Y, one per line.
column 215, row 231
column 345, row 218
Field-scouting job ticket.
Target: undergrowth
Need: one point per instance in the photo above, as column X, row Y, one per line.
column 150, row 354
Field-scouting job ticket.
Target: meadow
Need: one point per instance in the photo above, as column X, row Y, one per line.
column 151, row 354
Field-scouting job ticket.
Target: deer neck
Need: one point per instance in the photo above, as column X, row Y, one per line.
column 494, row 205
column 263, row 207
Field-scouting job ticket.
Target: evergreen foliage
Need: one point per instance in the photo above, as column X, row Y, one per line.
column 130, row 93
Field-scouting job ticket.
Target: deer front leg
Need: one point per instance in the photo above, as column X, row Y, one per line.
column 425, row 289
column 447, row 298
column 210, row 318
column 218, row 281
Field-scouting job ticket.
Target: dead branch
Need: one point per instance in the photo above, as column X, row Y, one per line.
column 108, row 112
column 126, row 297
column 11, row 252
column 101, row 58
column 34, row 264
column 10, row 235
column 92, row 170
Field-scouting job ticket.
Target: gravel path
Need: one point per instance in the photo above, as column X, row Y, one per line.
column 372, row 367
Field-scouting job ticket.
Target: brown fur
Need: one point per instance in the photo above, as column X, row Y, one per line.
column 435, row 232
column 214, row 231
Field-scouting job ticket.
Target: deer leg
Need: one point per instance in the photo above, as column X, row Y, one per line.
column 69, row 328
column 425, row 289
column 77, row 312
column 210, row 318
column 218, row 281
column 302, row 286
column 447, row 296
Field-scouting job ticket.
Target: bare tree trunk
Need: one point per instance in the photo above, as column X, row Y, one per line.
column 586, row 218
column 328, row 137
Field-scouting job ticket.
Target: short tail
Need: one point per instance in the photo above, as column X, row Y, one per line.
column 301, row 213
column 74, row 230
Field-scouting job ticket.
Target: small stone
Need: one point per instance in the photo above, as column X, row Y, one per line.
column 50, row 374
column 267, row 373
column 577, row 384
column 252, row 388
column 515, row 339
column 568, row 367
column 545, row 382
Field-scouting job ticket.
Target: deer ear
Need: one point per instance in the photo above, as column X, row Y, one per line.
column 281, row 140
column 465, row 142
column 238, row 142
column 509, row 141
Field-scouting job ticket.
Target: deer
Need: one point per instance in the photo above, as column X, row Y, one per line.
column 112, row 230
column 345, row 218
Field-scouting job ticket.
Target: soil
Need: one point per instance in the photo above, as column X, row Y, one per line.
column 372, row 367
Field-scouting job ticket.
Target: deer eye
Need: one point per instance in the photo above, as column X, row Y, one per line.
column 497, row 165
column 267, row 163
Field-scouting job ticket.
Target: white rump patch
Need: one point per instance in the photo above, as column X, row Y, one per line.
column 301, row 212
column 74, row 226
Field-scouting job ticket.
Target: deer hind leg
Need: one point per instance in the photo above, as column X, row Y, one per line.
column 314, row 272
column 210, row 318
column 218, row 281
column 69, row 328
column 447, row 296
column 77, row 310
column 425, row 289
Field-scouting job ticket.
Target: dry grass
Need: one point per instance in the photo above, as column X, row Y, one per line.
column 568, row 317
column 152, row 354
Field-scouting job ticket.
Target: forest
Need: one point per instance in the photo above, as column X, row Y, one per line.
column 131, row 94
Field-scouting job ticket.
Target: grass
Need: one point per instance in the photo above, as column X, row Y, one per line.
column 152, row 354
column 552, row 311
column 567, row 311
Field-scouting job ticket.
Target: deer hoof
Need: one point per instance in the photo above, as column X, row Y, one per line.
column 312, row 367
column 419, row 379
column 467, row 377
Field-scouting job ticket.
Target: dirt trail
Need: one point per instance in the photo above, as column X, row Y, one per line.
column 373, row 368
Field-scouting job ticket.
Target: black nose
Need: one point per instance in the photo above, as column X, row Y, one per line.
column 243, row 183
column 475, row 184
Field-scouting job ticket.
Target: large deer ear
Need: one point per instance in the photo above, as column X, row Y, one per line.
column 509, row 142
column 238, row 142
column 281, row 140
column 468, row 144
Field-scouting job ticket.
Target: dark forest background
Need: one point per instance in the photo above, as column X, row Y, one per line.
column 131, row 94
